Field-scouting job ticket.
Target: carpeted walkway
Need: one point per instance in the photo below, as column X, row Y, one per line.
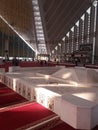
column 65, row 126
column 2, row 85
column 9, row 97
column 25, row 116
column 5, row 90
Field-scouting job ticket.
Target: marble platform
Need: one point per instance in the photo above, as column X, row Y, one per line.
column 72, row 93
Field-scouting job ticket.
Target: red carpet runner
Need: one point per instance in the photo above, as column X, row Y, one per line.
column 5, row 91
column 64, row 126
column 25, row 116
column 11, row 99
column 2, row 85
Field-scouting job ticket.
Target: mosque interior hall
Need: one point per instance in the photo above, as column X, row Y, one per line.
column 48, row 64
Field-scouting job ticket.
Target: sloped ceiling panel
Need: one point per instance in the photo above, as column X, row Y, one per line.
column 19, row 14
column 60, row 16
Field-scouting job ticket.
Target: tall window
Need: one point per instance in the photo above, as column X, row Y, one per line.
column 72, row 40
column 39, row 28
column 88, row 32
column 77, row 36
column 67, row 43
column 95, row 19
column 82, row 29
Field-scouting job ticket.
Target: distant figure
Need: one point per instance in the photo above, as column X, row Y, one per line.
column 1, row 61
column 57, row 62
column 76, row 61
column 41, row 63
column 45, row 62
column 15, row 62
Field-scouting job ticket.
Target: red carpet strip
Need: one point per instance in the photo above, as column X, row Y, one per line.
column 65, row 126
column 46, row 125
column 5, row 90
column 24, row 116
column 2, row 85
column 11, row 99
column 96, row 128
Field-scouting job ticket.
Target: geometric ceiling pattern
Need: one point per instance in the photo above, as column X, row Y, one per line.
column 57, row 17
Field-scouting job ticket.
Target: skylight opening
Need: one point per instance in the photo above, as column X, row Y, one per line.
column 88, row 11
column 67, row 34
column 72, row 29
column 83, row 17
column 77, row 23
